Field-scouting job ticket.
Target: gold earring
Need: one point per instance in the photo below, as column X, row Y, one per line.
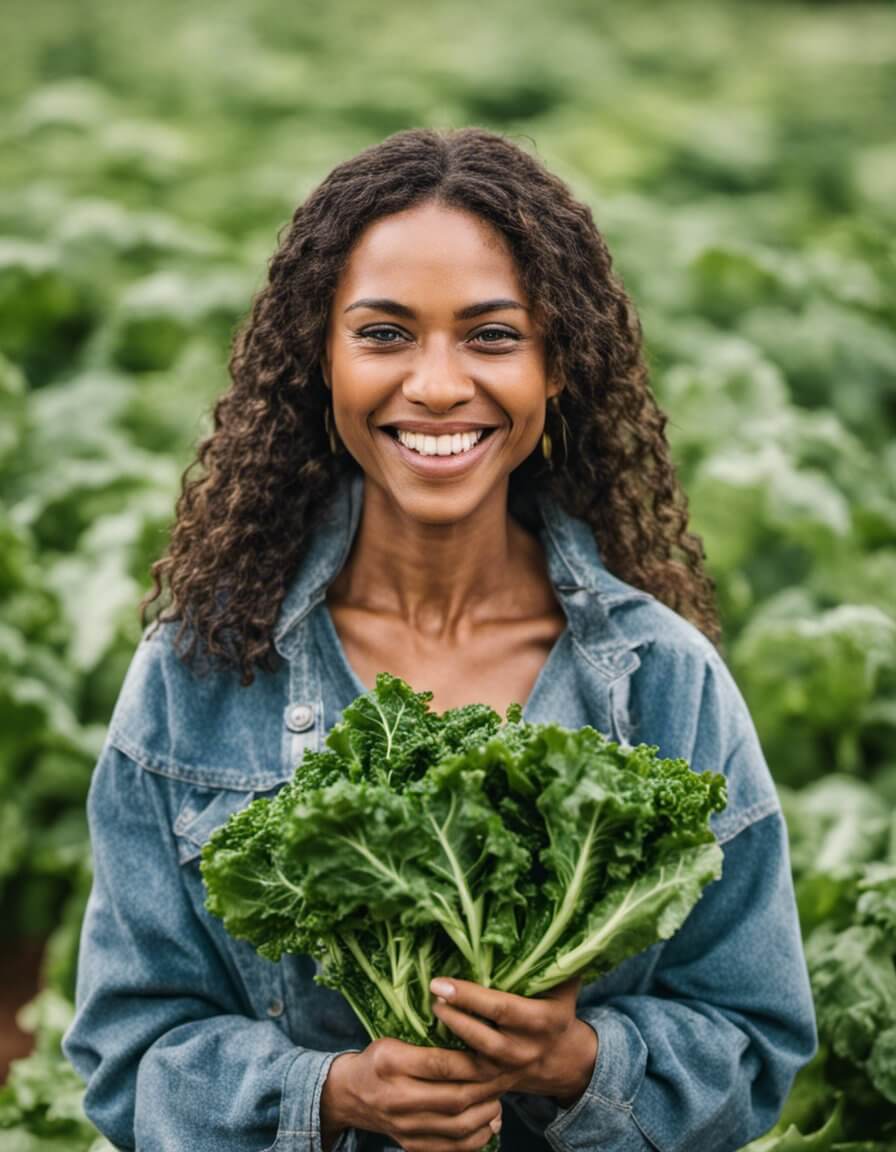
column 331, row 431
column 546, row 444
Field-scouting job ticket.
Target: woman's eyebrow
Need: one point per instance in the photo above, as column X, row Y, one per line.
column 471, row 310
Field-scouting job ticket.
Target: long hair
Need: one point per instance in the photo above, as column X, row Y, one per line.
column 243, row 519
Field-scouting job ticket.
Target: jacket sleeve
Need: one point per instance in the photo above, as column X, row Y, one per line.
column 160, row 1035
column 704, row 1055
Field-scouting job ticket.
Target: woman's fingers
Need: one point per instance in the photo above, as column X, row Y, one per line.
column 457, row 1127
column 441, row 1064
column 479, row 1035
column 414, row 1097
column 504, row 1009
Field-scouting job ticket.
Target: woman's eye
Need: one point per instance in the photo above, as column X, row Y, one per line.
column 370, row 333
column 502, row 333
column 375, row 334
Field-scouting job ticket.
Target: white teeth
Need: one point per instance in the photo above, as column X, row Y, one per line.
column 446, row 445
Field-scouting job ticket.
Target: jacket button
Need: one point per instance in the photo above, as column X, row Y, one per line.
column 275, row 1008
column 300, row 718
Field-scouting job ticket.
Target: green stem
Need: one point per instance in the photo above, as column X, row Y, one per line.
column 560, row 921
column 424, row 975
column 401, row 1011
column 361, row 1014
column 472, row 909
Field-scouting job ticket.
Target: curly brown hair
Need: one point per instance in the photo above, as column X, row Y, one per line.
column 266, row 469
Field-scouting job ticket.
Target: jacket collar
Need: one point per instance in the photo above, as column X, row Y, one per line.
column 587, row 591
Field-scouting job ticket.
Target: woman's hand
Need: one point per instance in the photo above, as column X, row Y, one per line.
column 540, row 1043
column 425, row 1099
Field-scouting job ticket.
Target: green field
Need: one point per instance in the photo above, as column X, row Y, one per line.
column 740, row 160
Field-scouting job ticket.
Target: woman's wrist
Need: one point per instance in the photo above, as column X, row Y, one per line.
column 581, row 1056
column 334, row 1117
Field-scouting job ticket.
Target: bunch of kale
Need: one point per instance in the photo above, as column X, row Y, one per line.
column 418, row 844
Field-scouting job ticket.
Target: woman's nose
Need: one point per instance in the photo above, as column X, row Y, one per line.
column 439, row 379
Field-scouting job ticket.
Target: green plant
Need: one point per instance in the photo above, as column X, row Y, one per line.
column 418, row 844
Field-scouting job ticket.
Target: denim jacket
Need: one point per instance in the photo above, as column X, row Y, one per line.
column 189, row 1041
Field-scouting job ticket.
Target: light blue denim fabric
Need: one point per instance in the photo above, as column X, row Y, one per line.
column 189, row 1041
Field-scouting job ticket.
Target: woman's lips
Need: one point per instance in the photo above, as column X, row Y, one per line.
column 436, row 466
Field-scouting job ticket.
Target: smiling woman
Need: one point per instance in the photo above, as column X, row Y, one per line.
column 440, row 277
column 382, row 493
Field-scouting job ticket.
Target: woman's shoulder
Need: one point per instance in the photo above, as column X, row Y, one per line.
column 202, row 727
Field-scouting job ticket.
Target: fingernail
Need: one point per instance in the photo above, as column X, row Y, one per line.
column 495, row 1125
column 441, row 988
column 441, row 1000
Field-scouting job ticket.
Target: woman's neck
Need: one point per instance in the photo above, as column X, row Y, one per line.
column 440, row 579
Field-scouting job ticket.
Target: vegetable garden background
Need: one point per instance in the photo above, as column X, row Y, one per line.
column 741, row 161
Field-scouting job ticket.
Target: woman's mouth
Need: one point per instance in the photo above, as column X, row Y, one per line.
column 430, row 455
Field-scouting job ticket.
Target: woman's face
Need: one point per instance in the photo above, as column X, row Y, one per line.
column 430, row 333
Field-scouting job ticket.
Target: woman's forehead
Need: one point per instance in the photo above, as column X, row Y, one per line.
column 424, row 255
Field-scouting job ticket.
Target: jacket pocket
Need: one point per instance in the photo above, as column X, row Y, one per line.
column 202, row 812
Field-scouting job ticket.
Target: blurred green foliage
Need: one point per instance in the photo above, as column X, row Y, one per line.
column 739, row 159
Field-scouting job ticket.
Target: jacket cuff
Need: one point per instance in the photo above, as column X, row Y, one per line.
column 303, row 1085
column 606, row 1104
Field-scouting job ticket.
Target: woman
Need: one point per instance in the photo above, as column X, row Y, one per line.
column 440, row 457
